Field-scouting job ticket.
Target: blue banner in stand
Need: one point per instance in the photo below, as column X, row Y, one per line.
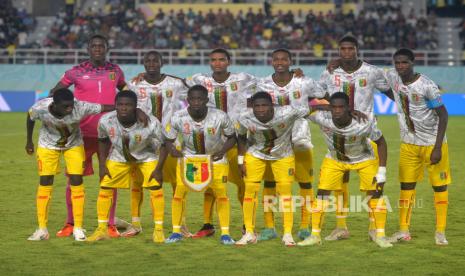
column 20, row 101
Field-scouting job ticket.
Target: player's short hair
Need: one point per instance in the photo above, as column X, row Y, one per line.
column 339, row 95
column 283, row 50
column 199, row 88
column 221, row 51
column 126, row 94
column 98, row 36
column 349, row 38
column 261, row 95
column 405, row 52
column 155, row 53
column 63, row 94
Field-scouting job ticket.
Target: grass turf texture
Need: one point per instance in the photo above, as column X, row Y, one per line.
column 139, row 255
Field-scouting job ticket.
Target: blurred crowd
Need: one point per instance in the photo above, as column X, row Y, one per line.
column 15, row 26
column 379, row 26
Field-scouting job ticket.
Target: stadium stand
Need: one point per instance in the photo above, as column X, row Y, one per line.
column 15, row 26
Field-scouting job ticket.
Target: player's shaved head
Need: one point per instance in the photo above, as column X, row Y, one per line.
column 221, row 51
column 282, row 50
column 349, row 38
column 405, row 52
column 261, row 95
column 98, row 36
column 62, row 95
column 153, row 53
column 198, row 88
column 126, row 94
column 339, row 95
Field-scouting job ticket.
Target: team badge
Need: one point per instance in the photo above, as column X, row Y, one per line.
column 197, row 172
column 362, row 82
column 296, row 94
column 138, row 138
column 211, row 130
column 169, row 93
column 416, row 98
column 233, row 86
column 291, row 172
column 443, row 175
column 186, row 128
column 112, row 76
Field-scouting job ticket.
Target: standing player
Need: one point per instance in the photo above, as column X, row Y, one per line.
column 227, row 92
column 203, row 130
column 349, row 149
column 59, row 134
column 159, row 95
column 423, row 122
column 270, row 129
column 286, row 89
column 95, row 81
column 359, row 80
column 134, row 149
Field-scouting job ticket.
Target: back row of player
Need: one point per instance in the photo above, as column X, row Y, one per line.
column 161, row 95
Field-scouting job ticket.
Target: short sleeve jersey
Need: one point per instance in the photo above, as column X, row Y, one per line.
column 229, row 96
column 416, row 103
column 95, row 85
column 349, row 144
column 204, row 137
column 133, row 144
column 61, row 133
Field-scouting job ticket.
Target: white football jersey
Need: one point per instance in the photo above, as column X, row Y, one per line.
column 360, row 85
column 271, row 140
column 349, row 144
column 162, row 99
column 134, row 144
column 61, row 133
column 415, row 103
column 229, row 96
column 205, row 137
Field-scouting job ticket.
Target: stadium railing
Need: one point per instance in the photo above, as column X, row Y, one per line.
column 200, row 57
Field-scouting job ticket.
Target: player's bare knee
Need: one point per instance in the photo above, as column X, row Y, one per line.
column 408, row 185
column 346, row 177
column 75, row 179
column 46, row 180
column 439, row 189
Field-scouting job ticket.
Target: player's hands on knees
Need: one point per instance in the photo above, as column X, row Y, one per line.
column 176, row 153
column 138, row 78
column 142, row 117
column 103, row 170
column 436, row 156
column 333, row 65
column 359, row 116
column 157, row 174
column 218, row 155
column 242, row 170
column 29, row 148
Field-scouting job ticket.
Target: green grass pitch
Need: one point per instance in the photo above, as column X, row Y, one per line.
column 139, row 255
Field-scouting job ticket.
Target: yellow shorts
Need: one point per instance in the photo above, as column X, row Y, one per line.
column 220, row 176
column 332, row 171
column 48, row 160
column 169, row 170
column 234, row 175
column 303, row 167
column 413, row 160
column 283, row 170
column 122, row 174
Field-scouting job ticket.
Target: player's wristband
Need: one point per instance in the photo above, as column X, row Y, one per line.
column 381, row 175
column 240, row 159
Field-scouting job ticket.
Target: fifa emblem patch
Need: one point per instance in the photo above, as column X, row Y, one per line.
column 233, row 86
column 112, row 76
column 362, row 82
column 169, row 93
column 291, row 171
column 138, row 138
column 296, row 94
column 443, row 175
